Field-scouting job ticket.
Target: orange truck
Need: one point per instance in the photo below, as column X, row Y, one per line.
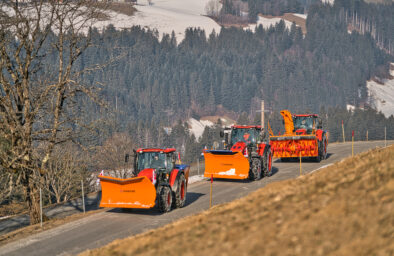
column 160, row 181
column 303, row 137
column 246, row 155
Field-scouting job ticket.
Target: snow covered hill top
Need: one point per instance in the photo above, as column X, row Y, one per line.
column 165, row 16
column 382, row 95
column 197, row 126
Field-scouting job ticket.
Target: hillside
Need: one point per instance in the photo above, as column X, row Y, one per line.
column 382, row 94
column 344, row 209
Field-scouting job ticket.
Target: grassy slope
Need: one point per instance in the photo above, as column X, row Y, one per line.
column 345, row 209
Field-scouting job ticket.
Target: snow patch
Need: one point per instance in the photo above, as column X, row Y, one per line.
column 197, row 126
column 229, row 172
column 382, row 95
column 195, row 178
column 350, row 107
column 267, row 23
column 331, row 2
column 300, row 15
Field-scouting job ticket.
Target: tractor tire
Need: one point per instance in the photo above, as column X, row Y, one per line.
column 268, row 164
column 165, row 199
column 255, row 170
column 324, row 148
column 180, row 193
column 319, row 152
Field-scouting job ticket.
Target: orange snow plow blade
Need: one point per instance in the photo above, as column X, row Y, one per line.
column 293, row 146
column 226, row 164
column 138, row 192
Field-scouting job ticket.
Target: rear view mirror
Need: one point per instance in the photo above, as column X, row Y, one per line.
column 173, row 158
column 320, row 123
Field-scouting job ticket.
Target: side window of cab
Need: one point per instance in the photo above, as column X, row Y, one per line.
column 170, row 164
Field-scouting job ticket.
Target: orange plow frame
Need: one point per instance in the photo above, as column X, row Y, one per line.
column 226, row 165
column 138, row 192
column 292, row 146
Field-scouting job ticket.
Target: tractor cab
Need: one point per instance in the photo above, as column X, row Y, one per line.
column 157, row 159
column 248, row 134
column 306, row 124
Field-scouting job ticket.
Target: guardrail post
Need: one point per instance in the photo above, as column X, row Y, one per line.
column 210, row 194
column 343, row 132
column 83, row 197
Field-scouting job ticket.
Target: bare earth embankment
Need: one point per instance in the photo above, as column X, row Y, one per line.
column 344, row 209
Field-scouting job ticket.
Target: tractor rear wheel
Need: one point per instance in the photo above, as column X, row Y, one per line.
column 255, row 170
column 268, row 163
column 165, row 199
column 180, row 193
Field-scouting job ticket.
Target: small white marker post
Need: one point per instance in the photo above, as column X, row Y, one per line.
column 198, row 166
column 385, row 142
column 83, row 198
column 40, row 207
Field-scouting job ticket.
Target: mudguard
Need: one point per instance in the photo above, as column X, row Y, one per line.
column 138, row 192
column 226, row 164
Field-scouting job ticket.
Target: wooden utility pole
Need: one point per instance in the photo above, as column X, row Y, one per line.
column 262, row 114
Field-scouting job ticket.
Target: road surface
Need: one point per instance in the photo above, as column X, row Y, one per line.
column 99, row 229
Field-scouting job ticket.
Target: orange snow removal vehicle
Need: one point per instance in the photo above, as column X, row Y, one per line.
column 303, row 137
column 159, row 182
column 246, row 155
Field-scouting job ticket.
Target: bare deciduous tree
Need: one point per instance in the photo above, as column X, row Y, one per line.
column 112, row 154
column 66, row 169
column 36, row 99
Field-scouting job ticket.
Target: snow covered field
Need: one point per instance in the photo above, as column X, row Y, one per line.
column 165, row 16
column 382, row 96
column 267, row 22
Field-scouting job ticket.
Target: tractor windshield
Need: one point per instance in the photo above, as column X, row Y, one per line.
column 303, row 122
column 154, row 160
column 247, row 135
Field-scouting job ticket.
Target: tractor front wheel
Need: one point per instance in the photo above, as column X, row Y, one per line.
column 165, row 199
column 255, row 170
column 180, row 193
column 268, row 163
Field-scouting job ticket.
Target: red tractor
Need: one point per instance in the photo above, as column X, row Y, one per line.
column 160, row 181
column 246, row 155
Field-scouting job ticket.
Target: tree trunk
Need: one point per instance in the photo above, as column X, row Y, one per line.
column 32, row 197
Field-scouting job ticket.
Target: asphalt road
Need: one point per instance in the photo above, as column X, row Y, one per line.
column 99, row 229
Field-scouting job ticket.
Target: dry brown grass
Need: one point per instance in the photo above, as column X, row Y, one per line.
column 123, row 8
column 345, row 209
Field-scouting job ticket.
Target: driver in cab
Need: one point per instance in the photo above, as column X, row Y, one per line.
column 157, row 163
column 246, row 138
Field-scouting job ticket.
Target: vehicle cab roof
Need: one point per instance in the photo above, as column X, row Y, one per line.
column 246, row 126
column 306, row 115
column 158, row 150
